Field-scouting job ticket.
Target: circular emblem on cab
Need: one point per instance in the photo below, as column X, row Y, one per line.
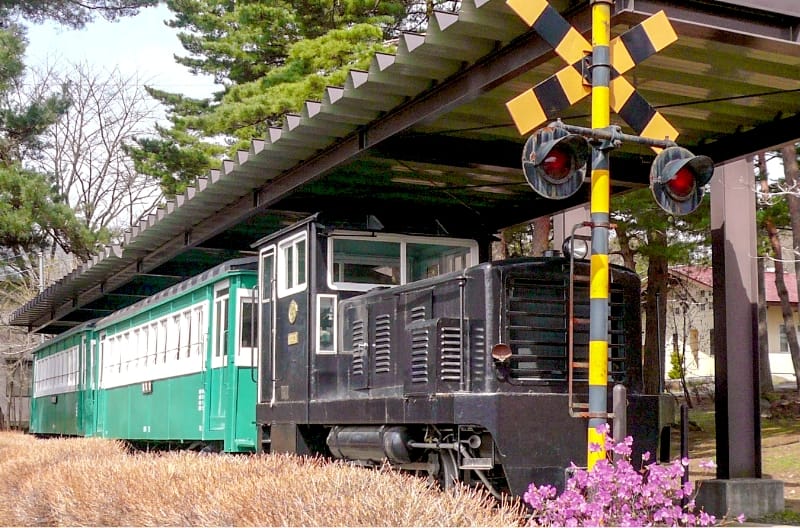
column 292, row 311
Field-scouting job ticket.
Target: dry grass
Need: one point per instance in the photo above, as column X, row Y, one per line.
column 89, row 482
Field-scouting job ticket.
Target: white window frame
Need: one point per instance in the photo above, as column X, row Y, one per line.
column 246, row 356
column 296, row 286
column 403, row 240
column 221, row 360
column 318, row 321
column 57, row 373
column 269, row 251
column 198, row 332
column 150, row 351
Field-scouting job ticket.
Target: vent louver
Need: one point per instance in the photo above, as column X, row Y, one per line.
column 359, row 348
column 383, row 343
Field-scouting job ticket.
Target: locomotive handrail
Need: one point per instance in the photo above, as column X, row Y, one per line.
column 571, row 364
column 253, row 344
column 465, row 384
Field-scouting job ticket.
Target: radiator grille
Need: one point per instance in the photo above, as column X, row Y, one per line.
column 477, row 341
column 537, row 328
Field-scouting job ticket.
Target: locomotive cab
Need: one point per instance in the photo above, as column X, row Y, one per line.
column 305, row 272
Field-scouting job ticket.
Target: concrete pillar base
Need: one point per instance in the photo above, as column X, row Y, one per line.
column 730, row 498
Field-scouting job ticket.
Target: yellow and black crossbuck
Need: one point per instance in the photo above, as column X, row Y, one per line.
column 545, row 101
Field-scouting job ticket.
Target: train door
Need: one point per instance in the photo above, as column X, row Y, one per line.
column 241, row 433
column 291, row 324
column 217, row 374
column 266, row 339
column 87, row 385
column 102, row 380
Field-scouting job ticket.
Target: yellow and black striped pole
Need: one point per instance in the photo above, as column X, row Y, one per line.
column 600, row 197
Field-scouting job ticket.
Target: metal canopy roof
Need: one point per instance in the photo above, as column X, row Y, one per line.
column 425, row 135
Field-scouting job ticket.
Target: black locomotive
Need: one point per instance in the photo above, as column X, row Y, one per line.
column 377, row 346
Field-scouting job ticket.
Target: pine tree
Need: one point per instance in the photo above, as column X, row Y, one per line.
column 269, row 57
column 32, row 213
column 72, row 13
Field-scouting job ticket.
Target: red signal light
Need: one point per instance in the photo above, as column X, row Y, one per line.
column 683, row 184
column 557, row 165
column 554, row 162
column 677, row 178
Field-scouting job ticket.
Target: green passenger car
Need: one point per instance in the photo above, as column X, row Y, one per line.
column 176, row 368
column 63, row 396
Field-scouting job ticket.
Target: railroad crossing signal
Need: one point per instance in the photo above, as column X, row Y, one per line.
column 678, row 192
column 554, row 162
column 545, row 101
column 677, row 178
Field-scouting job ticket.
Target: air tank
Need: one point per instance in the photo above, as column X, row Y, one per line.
column 364, row 442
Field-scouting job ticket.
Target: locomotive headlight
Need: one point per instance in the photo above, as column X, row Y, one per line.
column 501, row 353
column 577, row 246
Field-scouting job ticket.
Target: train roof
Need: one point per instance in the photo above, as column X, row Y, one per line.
column 88, row 325
column 367, row 223
column 277, row 234
column 235, row 265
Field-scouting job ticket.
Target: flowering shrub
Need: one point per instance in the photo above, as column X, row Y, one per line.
column 617, row 494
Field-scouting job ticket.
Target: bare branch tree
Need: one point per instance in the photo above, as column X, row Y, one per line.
column 85, row 147
column 16, row 345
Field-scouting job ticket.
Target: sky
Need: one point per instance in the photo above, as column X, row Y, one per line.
column 141, row 45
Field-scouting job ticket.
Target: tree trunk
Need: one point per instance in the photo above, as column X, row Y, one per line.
column 682, row 359
column 765, row 369
column 625, row 247
column 656, row 312
column 790, row 173
column 783, row 294
column 502, row 246
column 541, row 236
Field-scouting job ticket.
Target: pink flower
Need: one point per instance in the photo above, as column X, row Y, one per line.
column 595, row 447
column 615, row 493
column 708, row 464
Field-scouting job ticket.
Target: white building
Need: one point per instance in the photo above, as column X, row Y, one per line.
column 690, row 323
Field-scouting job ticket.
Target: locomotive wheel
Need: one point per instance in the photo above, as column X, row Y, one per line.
column 444, row 469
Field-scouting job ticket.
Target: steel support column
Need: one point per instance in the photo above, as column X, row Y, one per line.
column 564, row 221
column 733, row 236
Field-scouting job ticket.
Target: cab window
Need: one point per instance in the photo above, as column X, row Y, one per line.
column 292, row 265
column 360, row 262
